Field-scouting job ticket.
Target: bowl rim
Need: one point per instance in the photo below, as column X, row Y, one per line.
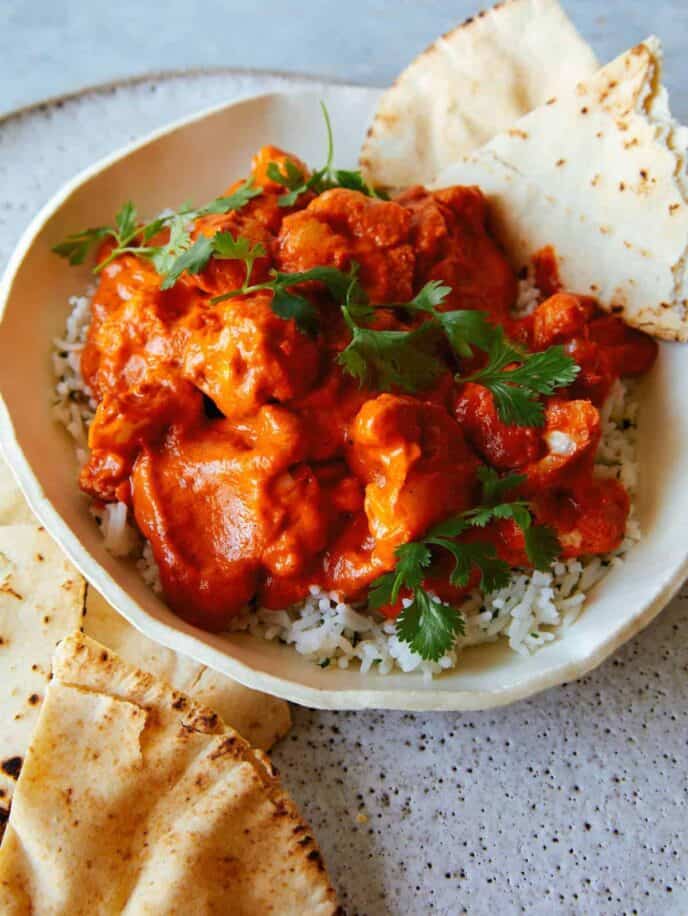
column 189, row 640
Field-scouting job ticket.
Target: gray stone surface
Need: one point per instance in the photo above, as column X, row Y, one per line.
column 573, row 802
column 49, row 48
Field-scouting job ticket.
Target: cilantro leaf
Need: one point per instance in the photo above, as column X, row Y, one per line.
column 381, row 591
column 76, row 247
column 227, row 246
column 465, row 329
column 193, row 260
column 494, row 486
column 290, row 305
column 151, row 229
column 288, row 175
column 165, row 256
column 234, row 201
column 412, row 560
column 429, row 627
column 542, row 546
column 338, row 283
column 342, row 286
column 516, row 406
column 494, row 572
column 132, row 237
column 391, row 359
column 126, row 220
column 354, row 181
column 431, row 295
column 517, row 391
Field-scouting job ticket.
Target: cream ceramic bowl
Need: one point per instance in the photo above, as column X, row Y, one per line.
column 192, row 160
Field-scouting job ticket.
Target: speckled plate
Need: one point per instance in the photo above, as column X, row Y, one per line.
column 190, row 160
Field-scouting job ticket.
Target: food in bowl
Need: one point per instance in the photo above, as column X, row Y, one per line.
column 315, row 398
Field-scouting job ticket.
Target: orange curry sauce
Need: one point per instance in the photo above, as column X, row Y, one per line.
column 257, row 467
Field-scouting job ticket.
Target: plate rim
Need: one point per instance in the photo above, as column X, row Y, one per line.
column 175, row 73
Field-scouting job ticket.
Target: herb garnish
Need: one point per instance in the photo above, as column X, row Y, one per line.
column 390, row 359
column 429, row 626
column 171, row 259
column 290, row 176
column 343, row 287
column 515, row 391
column 408, row 359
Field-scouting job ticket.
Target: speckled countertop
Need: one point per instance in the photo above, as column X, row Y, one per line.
column 573, row 802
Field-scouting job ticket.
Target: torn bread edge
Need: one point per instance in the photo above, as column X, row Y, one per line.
column 158, row 796
column 469, row 85
column 599, row 174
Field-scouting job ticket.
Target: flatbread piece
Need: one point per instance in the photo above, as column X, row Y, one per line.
column 600, row 174
column 41, row 598
column 469, row 85
column 260, row 718
column 135, row 799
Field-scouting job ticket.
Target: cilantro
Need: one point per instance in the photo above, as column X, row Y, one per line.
column 429, row 626
column 290, row 176
column 126, row 220
column 388, row 359
column 431, row 295
column 494, row 486
column 234, row 201
column 75, row 247
column 412, row 560
column 408, row 359
column 171, row 259
column 286, row 303
column 290, row 305
column 494, row 573
column 192, row 260
column 516, row 391
column 542, row 546
column 227, row 247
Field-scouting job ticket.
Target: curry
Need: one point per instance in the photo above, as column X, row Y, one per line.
column 259, row 458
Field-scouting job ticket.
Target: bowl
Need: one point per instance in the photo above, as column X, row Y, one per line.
column 191, row 160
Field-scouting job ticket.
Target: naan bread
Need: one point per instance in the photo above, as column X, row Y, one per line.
column 599, row 173
column 469, row 85
column 135, row 799
column 260, row 718
column 14, row 509
column 41, row 598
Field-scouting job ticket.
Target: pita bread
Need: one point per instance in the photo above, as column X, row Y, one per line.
column 41, row 598
column 469, row 85
column 260, row 718
column 14, row 509
column 599, row 173
column 135, row 799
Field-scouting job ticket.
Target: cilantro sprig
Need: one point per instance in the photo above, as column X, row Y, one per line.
column 290, row 176
column 405, row 358
column 516, row 391
column 342, row 286
column 171, row 259
column 426, row 624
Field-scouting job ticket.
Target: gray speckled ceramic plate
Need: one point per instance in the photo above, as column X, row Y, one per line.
column 572, row 802
column 189, row 160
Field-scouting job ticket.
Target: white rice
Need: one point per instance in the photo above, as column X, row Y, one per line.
column 533, row 610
